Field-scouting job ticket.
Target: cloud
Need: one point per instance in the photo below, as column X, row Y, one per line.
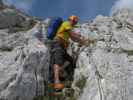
column 122, row 4
column 24, row 5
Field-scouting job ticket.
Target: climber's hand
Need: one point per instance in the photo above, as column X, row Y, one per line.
column 83, row 41
column 92, row 41
column 86, row 42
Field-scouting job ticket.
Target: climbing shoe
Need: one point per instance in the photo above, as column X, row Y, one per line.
column 58, row 86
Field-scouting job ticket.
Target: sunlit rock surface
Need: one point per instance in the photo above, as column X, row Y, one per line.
column 106, row 67
column 104, row 70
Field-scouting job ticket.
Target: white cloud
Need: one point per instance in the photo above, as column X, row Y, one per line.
column 121, row 4
column 24, row 5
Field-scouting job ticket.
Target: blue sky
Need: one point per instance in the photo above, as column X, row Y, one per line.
column 85, row 9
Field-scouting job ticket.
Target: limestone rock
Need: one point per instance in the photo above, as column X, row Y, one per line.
column 23, row 66
column 104, row 70
column 107, row 66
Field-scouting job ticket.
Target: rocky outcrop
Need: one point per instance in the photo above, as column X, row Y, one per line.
column 105, row 69
column 23, row 72
column 14, row 20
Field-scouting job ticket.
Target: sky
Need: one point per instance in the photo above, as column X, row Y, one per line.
column 85, row 9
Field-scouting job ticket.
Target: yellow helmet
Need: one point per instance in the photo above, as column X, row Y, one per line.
column 73, row 18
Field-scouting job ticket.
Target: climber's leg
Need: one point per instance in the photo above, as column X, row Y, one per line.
column 58, row 63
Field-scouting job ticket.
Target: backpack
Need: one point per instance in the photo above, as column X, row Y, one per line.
column 54, row 25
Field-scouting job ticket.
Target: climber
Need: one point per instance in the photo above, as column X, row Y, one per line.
column 62, row 36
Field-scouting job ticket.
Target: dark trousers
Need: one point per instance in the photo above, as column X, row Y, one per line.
column 59, row 56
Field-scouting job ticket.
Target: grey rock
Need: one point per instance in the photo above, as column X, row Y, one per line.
column 104, row 70
column 107, row 65
column 14, row 20
column 23, row 68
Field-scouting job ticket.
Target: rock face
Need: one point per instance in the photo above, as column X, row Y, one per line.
column 14, row 20
column 104, row 69
column 22, row 66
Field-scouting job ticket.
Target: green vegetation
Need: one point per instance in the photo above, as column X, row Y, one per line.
column 81, row 83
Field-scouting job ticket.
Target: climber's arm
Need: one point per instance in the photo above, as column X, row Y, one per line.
column 78, row 38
